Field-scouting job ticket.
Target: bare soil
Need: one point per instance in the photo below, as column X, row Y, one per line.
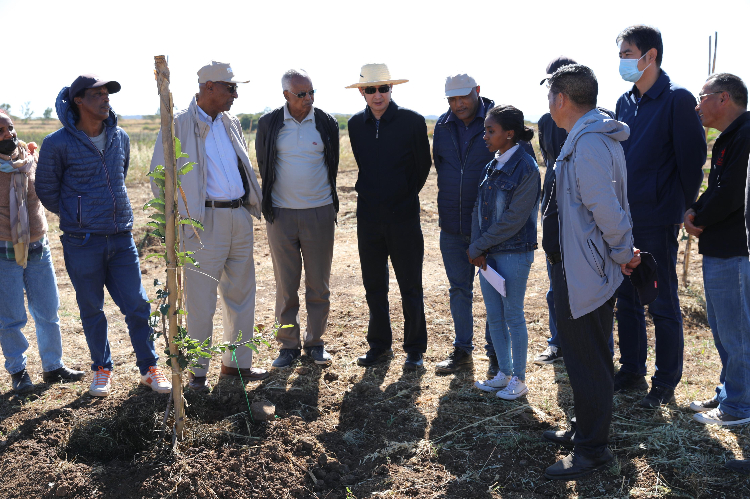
column 345, row 431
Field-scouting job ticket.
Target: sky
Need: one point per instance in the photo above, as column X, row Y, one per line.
column 505, row 46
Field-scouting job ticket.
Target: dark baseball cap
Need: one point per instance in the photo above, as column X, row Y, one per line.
column 91, row 81
column 644, row 279
column 555, row 64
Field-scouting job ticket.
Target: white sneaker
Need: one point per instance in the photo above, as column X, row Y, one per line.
column 550, row 355
column 156, row 380
column 494, row 385
column 514, row 390
column 100, row 386
column 718, row 417
column 708, row 404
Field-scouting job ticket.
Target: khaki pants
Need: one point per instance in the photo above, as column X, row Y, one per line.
column 297, row 236
column 225, row 257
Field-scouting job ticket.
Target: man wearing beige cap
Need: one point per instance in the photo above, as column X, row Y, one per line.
column 460, row 156
column 392, row 152
column 223, row 194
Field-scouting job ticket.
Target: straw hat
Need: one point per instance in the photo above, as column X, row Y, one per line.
column 375, row 74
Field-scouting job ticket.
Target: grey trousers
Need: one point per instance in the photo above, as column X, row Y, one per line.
column 225, row 256
column 299, row 236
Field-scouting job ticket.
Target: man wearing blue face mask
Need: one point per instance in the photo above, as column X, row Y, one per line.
column 665, row 154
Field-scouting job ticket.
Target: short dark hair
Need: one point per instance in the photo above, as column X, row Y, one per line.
column 732, row 84
column 511, row 118
column 577, row 82
column 645, row 38
column 73, row 105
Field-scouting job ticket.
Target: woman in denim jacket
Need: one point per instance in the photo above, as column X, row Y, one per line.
column 503, row 237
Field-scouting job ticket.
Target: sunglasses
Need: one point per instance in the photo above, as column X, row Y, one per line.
column 301, row 95
column 230, row 88
column 383, row 89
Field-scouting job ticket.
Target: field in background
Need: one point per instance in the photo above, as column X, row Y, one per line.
column 345, row 431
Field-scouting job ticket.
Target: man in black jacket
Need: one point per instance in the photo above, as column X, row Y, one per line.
column 392, row 152
column 297, row 146
column 717, row 219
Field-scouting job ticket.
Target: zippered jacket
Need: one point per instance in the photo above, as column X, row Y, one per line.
column 596, row 234
column 85, row 187
column 192, row 132
column 269, row 126
column 505, row 213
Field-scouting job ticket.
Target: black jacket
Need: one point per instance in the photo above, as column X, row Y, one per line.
column 394, row 161
column 721, row 207
column 265, row 151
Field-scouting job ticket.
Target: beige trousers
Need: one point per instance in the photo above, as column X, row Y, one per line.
column 225, row 258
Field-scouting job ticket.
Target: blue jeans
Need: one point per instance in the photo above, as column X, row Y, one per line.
column 661, row 242
column 38, row 279
column 727, row 286
column 505, row 314
column 460, row 274
column 93, row 262
column 553, row 340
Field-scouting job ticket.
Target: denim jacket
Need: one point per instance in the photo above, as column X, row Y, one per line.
column 505, row 213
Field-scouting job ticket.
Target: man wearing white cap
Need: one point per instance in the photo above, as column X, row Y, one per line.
column 223, row 194
column 392, row 152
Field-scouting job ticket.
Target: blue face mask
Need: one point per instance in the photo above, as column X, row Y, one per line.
column 629, row 69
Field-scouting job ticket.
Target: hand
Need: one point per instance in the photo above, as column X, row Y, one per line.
column 481, row 262
column 627, row 269
column 690, row 226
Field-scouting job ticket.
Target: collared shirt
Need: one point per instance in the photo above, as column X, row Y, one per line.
column 664, row 153
column 223, row 180
column 467, row 132
column 301, row 173
column 502, row 159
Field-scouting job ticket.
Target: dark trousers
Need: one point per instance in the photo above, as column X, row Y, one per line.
column 585, row 344
column 661, row 242
column 404, row 243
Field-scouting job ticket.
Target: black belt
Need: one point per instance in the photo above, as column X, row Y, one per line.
column 554, row 258
column 224, row 204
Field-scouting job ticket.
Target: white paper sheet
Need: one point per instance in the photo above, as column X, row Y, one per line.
column 494, row 279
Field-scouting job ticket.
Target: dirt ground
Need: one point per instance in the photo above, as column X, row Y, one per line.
column 346, row 431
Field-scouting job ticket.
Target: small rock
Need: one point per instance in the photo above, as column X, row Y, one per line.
column 302, row 370
column 320, row 474
column 331, row 376
column 263, row 410
column 322, row 459
column 62, row 491
column 348, row 479
column 306, row 445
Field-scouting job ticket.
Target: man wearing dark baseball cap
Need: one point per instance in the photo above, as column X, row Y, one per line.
column 81, row 177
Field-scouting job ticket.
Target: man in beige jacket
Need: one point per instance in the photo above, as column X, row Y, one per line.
column 223, row 194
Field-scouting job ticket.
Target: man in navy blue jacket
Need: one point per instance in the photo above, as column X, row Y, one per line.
column 665, row 154
column 81, row 177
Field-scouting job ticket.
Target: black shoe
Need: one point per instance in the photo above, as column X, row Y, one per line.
column 374, row 356
column 628, row 381
column 493, row 369
column 286, row 358
column 413, row 360
column 21, row 382
column 457, row 360
column 741, row 466
column 563, row 438
column 62, row 374
column 577, row 465
column 659, row 395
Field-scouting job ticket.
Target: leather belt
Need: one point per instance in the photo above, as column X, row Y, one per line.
column 554, row 258
column 224, row 204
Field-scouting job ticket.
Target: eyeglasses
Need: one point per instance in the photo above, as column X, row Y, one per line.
column 230, row 87
column 301, row 95
column 383, row 89
column 700, row 97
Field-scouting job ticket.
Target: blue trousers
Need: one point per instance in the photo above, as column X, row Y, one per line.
column 93, row 262
column 661, row 242
column 460, row 274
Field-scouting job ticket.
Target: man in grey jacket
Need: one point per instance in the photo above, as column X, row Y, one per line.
column 222, row 193
column 597, row 249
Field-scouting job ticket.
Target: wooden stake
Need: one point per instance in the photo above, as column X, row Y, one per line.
column 170, row 204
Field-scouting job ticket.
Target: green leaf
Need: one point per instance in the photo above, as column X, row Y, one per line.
column 158, row 205
column 164, row 309
column 178, row 149
column 192, row 222
column 186, row 167
column 158, row 217
column 159, row 182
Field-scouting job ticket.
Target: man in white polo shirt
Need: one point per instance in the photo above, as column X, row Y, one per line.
column 297, row 147
column 223, row 194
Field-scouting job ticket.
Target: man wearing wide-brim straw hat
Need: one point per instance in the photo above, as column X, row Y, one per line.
column 392, row 152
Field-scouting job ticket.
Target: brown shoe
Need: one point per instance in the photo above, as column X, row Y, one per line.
column 198, row 384
column 247, row 373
